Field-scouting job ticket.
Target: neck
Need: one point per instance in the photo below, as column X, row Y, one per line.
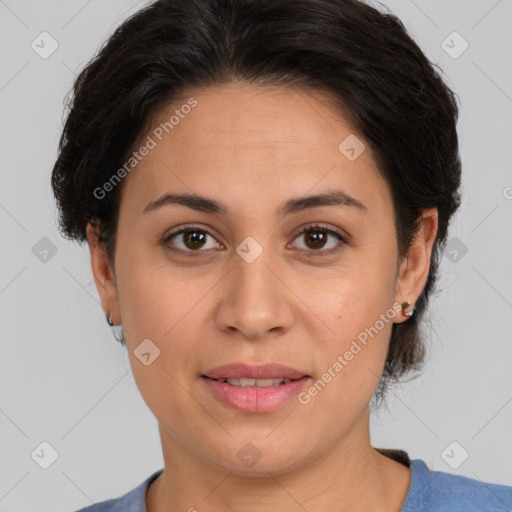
column 349, row 476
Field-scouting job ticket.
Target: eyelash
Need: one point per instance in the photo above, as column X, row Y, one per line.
column 310, row 253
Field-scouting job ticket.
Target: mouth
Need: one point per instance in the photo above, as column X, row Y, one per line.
column 253, row 388
column 255, row 394
column 245, row 374
column 255, row 383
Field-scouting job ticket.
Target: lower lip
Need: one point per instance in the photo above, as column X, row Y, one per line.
column 255, row 399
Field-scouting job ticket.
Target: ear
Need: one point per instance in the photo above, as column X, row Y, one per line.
column 415, row 265
column 104, row 274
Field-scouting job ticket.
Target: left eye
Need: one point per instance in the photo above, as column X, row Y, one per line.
column 193, row 239
column 316, row 237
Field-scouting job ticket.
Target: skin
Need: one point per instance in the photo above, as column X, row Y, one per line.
column 253, row 148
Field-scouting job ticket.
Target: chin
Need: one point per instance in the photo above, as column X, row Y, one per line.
column 251, row 462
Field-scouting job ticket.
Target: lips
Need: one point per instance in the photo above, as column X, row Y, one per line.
column 241, row 395
column 263, row 371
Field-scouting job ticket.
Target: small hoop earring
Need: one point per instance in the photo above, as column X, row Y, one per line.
column 406, row 304
column 109, row 320
column 120, row 338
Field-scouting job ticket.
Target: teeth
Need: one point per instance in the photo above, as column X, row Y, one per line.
column 260, row 383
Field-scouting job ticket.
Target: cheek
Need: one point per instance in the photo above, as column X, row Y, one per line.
column 354, row 297
column 159, row 305
column 359, row 313
column 155, row 294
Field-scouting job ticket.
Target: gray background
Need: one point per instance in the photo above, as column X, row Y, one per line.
column 64, row 380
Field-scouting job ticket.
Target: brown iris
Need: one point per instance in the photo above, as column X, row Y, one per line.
column 193, row 238
column 318, row 238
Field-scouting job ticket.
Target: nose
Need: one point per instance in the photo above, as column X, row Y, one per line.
column 256, row 300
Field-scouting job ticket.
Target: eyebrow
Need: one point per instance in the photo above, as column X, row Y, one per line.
column 294, row 205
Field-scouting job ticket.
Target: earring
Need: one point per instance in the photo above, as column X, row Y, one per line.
column 406, row 304
column 109, row 320
column 120, row 338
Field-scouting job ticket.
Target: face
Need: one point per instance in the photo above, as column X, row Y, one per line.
column 248, row 283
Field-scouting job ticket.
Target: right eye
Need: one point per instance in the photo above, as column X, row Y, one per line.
column 191, row 239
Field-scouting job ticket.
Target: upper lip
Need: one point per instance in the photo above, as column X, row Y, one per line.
column 261, row 371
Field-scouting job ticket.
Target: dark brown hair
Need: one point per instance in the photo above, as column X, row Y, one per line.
column 386, row 87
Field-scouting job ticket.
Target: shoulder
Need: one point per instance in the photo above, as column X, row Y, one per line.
column 469, row 494
column 105, row 506
column 439, row 491
column 133, row 501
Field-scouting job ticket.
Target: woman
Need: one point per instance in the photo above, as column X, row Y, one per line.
column 265, row 187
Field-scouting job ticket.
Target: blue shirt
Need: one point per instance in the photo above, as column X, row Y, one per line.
column 429, row 491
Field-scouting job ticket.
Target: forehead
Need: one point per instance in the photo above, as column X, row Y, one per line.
column 281, row 120
column 240, row 140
